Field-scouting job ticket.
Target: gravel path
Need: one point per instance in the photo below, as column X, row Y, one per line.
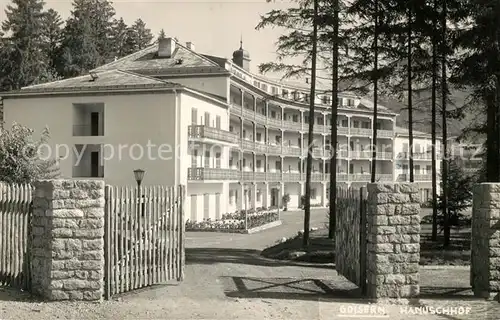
column 227, row 279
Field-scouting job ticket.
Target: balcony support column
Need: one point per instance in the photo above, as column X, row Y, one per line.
column 242, row 99
column 254, row 195
column 282, row 115
column 282, row 139
column 281, row 169
column 254, row 127
column 254, row 162
column 348, row 126
column 241, row 197
column 302, row 121
column 254, row 103
column 324, row 123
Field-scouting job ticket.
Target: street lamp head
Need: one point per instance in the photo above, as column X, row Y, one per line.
column 139, row 175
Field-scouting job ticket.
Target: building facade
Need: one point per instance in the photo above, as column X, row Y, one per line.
column 236, row 139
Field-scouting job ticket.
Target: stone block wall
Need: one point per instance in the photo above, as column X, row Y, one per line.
column 67, row 251
column 393, row 233
column 485, row 242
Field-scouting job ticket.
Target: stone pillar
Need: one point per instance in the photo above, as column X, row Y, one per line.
column 393, row 234
column 68, row 240
column 485, row 244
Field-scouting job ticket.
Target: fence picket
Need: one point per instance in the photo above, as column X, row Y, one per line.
column 15, row 214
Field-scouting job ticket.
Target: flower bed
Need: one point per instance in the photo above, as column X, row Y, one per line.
column 235, row 222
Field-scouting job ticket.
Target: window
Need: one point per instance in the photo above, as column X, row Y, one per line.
column 273, row 114
column 350, row 102
column 405, row 169
column 194, row 116
column 417, row 169
column 417, row 148
column 259, row 164
column 244, row 163
column 351, row 168
column 278, row 139
column 207, row 159
column 284, row 93
column 274, row 90
column 217, row 160
column 217, row 122
column 194, row 159
column 306, row 97
column 313, row 193
column 340, row 102
column 278, row 165
column 231, row 128
column 306, row 119
column 264, row 87
column 345, row 123
column 230, row 162
column 320, row 120
column 94, row 123
column 428, row 169
column 355, row 124
column 405, row 147
column 295, row 118
column 365, row 125
column 259, row 195
column 259, row 136
column 207, row 119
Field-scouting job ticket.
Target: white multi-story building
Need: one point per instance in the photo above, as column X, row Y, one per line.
column 236, row 139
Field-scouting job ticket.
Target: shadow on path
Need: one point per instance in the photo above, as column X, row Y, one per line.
column 291, row 289
column 241, row 256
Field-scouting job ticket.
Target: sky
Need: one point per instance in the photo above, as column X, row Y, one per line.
column 214, row 27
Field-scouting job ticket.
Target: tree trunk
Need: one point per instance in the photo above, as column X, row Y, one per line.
column 410, row 91
column 444, row 94
column 333, row 148
column 307, row 205
column 433, row 125
column 375, row 93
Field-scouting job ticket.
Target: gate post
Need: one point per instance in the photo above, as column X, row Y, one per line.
column 67, row 251
column 485, row 240
column 393, row 225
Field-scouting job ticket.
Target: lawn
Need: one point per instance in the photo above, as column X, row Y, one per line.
column 322, row 249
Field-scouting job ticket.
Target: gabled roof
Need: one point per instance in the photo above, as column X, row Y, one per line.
column 147, row 61
column 113, row 79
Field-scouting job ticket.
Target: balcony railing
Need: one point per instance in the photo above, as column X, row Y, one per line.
column 360, row 132
column 416, row 156
column 360, row 154
column 200, row 132
column 203, row 174
column 248, row 113
column 291, row 151
column 292, row 125
column 385, row 133
column 87, row 131
column 416, row 177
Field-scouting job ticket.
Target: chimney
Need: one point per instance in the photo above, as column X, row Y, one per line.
column 166, row 47
column 190, row 46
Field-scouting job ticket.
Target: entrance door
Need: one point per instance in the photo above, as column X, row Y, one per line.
column 94, row 164
column 94, row 124
column 274, row 197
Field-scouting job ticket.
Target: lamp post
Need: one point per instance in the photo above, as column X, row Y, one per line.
column 279, row 202
column 139, row 175
column 245, row 195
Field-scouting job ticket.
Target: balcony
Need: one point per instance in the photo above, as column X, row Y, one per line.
column 366, row 177
column 204, row 132
column 416, row 177
column 361, row 132
column 416, row 156
column 248, row 113
column 384, row 155
column 364, row 155
column 204, row 174
column 274, row 122
column 385, row 134
column 292, row 151
column 292, row 125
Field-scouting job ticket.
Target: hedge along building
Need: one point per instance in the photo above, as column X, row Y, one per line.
column 236, row 139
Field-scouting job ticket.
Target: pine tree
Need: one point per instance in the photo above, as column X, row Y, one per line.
column 142, row 35
column 162, row 34
column 52, row 34
column 26, row 59
column 119, row 36
column 88, row 37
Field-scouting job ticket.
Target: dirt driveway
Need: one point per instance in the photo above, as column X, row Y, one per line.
column 227, row 279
